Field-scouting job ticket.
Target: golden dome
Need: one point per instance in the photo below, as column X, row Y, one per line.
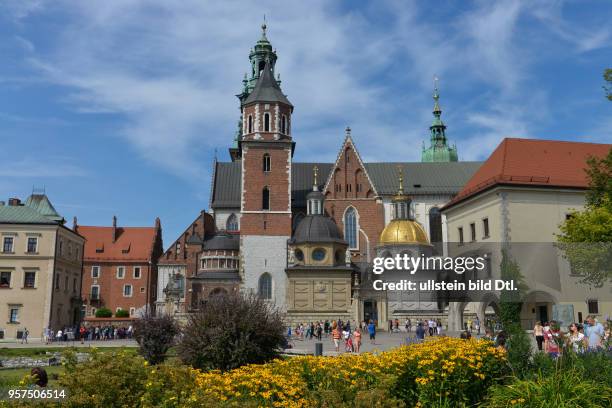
column 403, row 231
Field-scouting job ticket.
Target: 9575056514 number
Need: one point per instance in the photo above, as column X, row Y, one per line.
column 56, row 394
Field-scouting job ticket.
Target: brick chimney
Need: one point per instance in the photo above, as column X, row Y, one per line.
column 14, row 202
column 114, row 228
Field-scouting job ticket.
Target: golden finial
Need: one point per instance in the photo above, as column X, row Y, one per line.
column 315, row 171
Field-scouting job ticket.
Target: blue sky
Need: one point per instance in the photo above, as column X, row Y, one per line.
column 117, row 106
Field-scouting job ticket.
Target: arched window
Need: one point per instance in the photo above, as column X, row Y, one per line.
column 265, row 198
column 284, row 124
column 250, row 124
column 264, row 289
column 232, row 223
column 435, row 225
column 266, row 122
column 350, row 227
column 266, row 162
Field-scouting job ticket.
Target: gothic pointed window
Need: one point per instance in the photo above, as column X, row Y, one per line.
column 264, row 288
column 266, row 122
column 284, row 125
column 250, row 124
column 265, row 198
column 350, row 227
column 266, row 162
column 232, row 223
column 435, row 225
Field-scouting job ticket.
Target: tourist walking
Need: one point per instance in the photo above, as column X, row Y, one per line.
column 24, row 336
column 594, row 332
column 538, row 332
column 372, row 331
column 420, row 332
column 336, row 335
column 553, row 339
column 576, row 339
column 357, row 337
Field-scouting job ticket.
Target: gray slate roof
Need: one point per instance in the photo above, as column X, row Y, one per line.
column 433, row 178
column 267, row 89
column 316, row 228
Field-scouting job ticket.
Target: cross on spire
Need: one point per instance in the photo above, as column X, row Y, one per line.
column 315, row 184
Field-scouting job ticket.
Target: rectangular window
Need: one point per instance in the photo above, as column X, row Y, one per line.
column 7, row 246
column 127, row 290
column 132, row 311
column 32, row 245
column 66, row 281
column 137, row 272
column 120, row 272
column 95, row 272
column 473, row 232
column 29, row 279
column 460, row 231
column 593, row 306
column 74, row 285
column 5, row 279
column 142, row 289
column 14, row 315
column 95, row 292
column 485, row 227
column 57, row 281
column 267, row 164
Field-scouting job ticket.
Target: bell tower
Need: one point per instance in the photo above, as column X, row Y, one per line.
column 266, row 150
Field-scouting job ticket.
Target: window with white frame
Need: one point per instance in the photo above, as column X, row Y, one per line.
column 7, row 245
column 137, row 272
column 132, row 311
column 95, row 292
column 5, row 279
column 29, row 279
column 32, row 245
column 14, row 314
column 127, row 290
column 95, row 271
column 120, row 272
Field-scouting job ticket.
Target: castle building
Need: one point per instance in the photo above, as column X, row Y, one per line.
column 40, row 269
column 516, row 202
column 120, row 268
column 262, row 196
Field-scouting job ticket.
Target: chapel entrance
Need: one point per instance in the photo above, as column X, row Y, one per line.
column 370, row 311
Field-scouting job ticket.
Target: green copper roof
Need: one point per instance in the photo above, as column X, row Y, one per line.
column 36, row 210
column 438, row 150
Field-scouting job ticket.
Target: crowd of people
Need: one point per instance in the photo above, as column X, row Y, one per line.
column 579, row 337
column 88, row 333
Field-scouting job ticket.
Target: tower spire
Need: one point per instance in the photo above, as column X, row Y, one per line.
column 315, row 173
column 438, row 151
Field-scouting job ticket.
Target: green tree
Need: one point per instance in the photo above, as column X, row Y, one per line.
column 586, row 236
column 608, row 78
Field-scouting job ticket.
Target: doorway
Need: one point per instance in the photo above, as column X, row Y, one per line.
column 543, row 313
column 370, row 311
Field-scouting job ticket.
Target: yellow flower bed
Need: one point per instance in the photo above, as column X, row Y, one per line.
column 445, row 368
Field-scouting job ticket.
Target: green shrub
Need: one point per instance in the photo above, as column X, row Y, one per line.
column 565, row 388
column 519, row 350
column 104, row 312
column 122, row 313
column 230, row 331
column 155, row 335
column 109, row 379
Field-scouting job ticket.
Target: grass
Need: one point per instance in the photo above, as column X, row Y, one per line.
column 6, row 352
column 11, row 377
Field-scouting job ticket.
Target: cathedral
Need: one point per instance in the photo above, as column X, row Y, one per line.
column 303, row 235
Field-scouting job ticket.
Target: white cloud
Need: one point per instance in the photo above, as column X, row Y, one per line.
column 170, row 71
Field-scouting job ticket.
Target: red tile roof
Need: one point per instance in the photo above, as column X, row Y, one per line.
column 532, row 162
column 131, row 244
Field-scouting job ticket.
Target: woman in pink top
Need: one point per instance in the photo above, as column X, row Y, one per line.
column 357, row 337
